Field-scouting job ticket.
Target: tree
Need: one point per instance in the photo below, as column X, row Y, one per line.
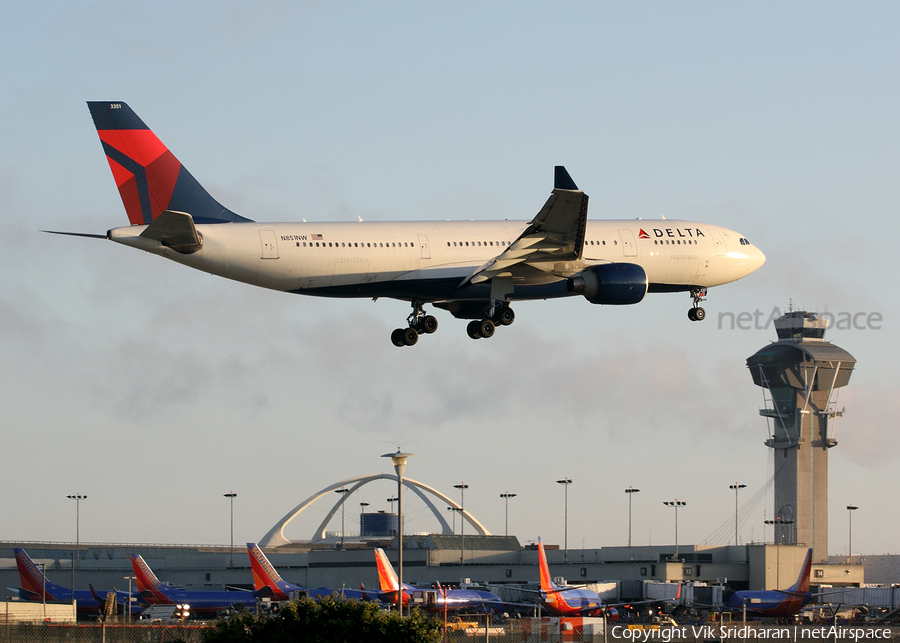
column 328, row 620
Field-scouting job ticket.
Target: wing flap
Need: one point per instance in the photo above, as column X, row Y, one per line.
column 555, row 234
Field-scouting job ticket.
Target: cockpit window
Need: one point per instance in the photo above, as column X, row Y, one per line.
column 744, row 242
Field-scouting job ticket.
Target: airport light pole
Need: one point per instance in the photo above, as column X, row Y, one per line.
column 737, row 487
column 565, row 482
column 850, row 510
column 128, row 598
column 455, row 510
column 391, row 502
column 506, row 497
column 462, row 521
column 343, row 492
column 398, row 459
column 675, row 504
column 77, row 560
column 362, row 512
column 231, row 496
column 630, row 491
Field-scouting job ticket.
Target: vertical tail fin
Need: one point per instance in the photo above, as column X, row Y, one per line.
column 264, row 574
column 149, row 177
column 387, row 577
column 33, row 580
column 548, row 588
column 802, row 584
column 147, row 582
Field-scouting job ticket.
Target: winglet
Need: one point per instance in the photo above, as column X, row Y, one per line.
column 562, row 180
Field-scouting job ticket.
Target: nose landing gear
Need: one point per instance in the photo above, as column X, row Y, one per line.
column 696, row 313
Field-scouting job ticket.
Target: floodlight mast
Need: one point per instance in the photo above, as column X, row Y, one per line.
column 398, row 459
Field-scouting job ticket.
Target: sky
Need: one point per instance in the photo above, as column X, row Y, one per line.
column 155, row 389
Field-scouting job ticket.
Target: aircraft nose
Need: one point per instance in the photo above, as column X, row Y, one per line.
column 759, row 258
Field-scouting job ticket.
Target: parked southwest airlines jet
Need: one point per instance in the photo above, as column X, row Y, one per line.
column 564, row 601
column 473, row 269
column 431, row 601
column 776, row 602
column 268, row 583
column 36, row 587
column 207, row 602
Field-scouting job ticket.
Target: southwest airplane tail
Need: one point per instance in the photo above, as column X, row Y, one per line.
column 565, row 601
column 267, row 582
column 388, row 581
column 36, row 586
column 153, row 592
column 776, row 602
column 148, row 585
column 429, row 600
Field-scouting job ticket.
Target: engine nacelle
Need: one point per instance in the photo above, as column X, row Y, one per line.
column 610, row 283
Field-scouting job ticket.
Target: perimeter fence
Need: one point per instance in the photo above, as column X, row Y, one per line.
column 494, row 629
column 99, row 633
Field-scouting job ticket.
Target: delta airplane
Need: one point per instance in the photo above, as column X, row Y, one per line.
column 36, row 587
column 433, row 601
column 202, row 602
column 776, row 602
column 473, row 269
column 564, row 601
column 267, row 582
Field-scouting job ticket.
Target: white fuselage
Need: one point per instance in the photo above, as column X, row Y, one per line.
column 430, row 260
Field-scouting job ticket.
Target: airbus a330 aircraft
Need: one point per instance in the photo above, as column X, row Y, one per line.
column 473, row 269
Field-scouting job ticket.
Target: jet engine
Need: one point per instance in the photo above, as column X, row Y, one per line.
column 610, row 283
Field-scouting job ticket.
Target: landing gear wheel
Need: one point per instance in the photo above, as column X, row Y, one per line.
column 397, row 337
column 410, row 337
column 428, row 324
column 696, row 313
column 486, row 328
column 506, row 316
column 474, row 329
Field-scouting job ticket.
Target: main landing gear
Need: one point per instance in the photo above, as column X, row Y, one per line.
column 696, row 313
column 418, row 322
column 501, row 315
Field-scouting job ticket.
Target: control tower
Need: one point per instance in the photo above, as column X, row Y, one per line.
column 799, row 374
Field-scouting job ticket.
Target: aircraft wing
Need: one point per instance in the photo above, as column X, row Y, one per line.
column 555, row 234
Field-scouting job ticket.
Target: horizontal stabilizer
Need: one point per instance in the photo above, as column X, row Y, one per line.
column 78, row 234
column 175, row 230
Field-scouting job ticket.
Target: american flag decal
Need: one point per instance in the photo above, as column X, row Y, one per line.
column 316, row 237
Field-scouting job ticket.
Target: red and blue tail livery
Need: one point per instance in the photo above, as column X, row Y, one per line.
column 430, row 600
column 149, row 177
column 268, row 583
column 565, row 601
column 203, row 602
column 776, row 602
column 36, row 587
